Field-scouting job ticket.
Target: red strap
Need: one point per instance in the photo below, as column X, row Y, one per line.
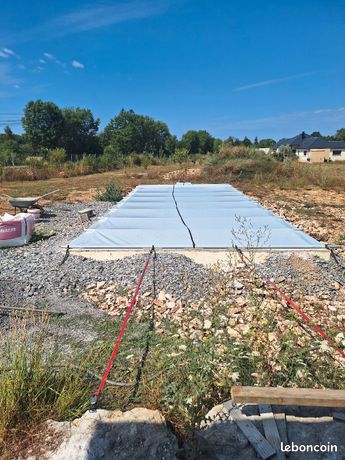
column 294, row 306
column 306, row 317
column 123, row 327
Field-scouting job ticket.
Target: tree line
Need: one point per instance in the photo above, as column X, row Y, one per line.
column 71, row 133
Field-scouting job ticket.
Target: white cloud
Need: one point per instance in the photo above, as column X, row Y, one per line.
column 9, row 52
column 77, row 64
column 92, row 16
column 95, row 16
column 325, row 120
column 41, row 61
column 49, row 56
column 16, row 86
column 54, row 59
column 274, row 81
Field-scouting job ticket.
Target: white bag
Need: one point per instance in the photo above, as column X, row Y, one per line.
column 16, row 230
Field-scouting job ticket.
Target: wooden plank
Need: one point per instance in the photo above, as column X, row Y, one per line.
column 280, row 418
column 260, row 444
column 339, row 416
column 271, row 429
column 289, row 396
column 32, row 310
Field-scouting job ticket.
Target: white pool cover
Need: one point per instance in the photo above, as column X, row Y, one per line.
column 212, row 216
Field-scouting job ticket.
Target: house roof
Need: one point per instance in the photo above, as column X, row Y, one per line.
column 307, row 142
column 295, row 141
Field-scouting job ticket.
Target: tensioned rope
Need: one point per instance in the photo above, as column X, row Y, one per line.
column 293, row 305
column 122, row 331
column 182, row 220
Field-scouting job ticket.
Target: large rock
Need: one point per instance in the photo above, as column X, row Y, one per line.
column 134, row 435
column 221, row 439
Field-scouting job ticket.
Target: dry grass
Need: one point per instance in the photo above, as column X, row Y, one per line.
column 36, row 381
column 265, row 170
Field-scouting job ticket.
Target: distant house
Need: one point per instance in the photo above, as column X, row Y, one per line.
column 313, row 149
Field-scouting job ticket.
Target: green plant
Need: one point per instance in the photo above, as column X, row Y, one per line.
column 36, row 381
column 57, row 156
column 112, row 193
column 180, row 156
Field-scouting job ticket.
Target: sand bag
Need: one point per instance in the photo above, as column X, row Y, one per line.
column 16, row 230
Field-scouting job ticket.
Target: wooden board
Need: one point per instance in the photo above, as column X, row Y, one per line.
column 288, row 396
column 271, row 429
column 260, row 444
column 280, row 418
column 339, row 416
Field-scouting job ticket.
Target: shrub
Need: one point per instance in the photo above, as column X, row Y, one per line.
column 234, row 152
column 57, row 156
column 180, row 156
column 111, row 158
column 112, row 193
column 88, row 164
column 35, row 162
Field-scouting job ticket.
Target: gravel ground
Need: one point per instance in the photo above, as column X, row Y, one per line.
column 312, row 275
column 34, row 275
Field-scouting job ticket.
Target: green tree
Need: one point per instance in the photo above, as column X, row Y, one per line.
column 197, row 142
column 316, row 134
column 8, row 133
column 132, row 133
column 171, row 145
column 246, row 142
column 267, row 143
column 217, row 145
column 231, row 141
column 80, row 132
column 43, row 123
column 340, row 135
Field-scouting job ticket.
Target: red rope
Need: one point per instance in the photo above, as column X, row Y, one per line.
column 122, row 330
column 306, row 317
column 295, row 307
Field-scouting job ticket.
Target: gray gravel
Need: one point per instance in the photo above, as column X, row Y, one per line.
column 313, row 276
column 34, row 275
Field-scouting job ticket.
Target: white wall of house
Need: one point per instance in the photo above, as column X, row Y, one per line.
column 303, row 155
column 265, row 149
column 337, row 155
column 334, row 155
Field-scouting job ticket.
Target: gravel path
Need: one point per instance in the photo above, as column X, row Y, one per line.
column 34, row 275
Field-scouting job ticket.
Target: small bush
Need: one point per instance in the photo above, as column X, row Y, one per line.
column 112, row 193
column 57, row 156
column 180, row 156
column 234, row 152
column 35, row 162
column 111, row 159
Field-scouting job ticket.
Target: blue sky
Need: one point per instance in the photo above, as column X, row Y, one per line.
column 241, row 67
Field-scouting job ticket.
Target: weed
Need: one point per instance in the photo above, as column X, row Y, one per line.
column 112, row 193
column 36, row 381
